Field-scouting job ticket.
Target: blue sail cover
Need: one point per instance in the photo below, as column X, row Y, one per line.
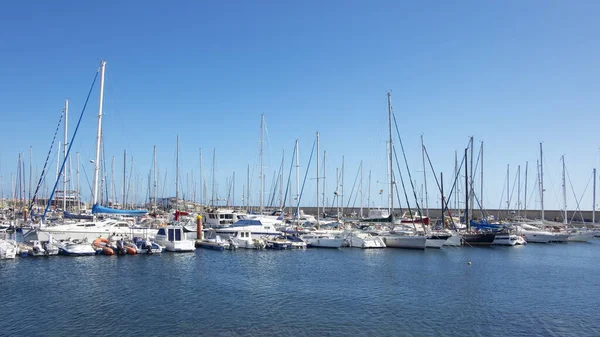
column 106, row 210
column 484, row 224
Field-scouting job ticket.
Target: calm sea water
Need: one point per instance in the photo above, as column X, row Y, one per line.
column 544, row 290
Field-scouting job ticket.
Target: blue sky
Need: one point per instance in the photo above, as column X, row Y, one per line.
column 512, row 74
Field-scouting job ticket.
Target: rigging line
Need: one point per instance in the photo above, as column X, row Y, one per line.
column 577, row 200
column 352, row 190
column 403, row 186
column 406, row 162
column 287, row 187
column 447, row 201
column 70, row 145
column 398, row 197
column 305, row 175
column 32, row 201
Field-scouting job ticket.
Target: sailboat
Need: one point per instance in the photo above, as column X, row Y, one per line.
column 398, row 239
column 173, row 236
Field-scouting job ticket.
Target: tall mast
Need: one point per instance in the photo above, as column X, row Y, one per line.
column 297, row 186
column 361, row 189
column 481, row 196
column 64, row 174
column 132, row 196
column 391, row 149
column 564, row 186
column 342, row 208
column 318, row 206
column 594, row 199
column 281, row 182
column 471, row 190
column 519, row 190
column 467, row 193
column 78, row 185
column 425, row 177
column 177, row 175
column 112, row 180
column 542, row 181
column 324, row 177
column 30, row 175
column 507, row 188
column 99, row 134
column 57, row 163
column 247, row 188
column 154, row 187
column 213, row 179
column 233, row 191
column 124, row 179
column 201, row 194
column 369, row 193
column 262, row 177
column 456, row 193
column 525, row 201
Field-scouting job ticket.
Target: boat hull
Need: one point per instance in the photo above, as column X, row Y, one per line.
column 478, row 239
column 453, row 241
column 581, row 237
column 405, row 241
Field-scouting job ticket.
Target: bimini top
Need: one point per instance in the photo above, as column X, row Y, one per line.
column 106, row 210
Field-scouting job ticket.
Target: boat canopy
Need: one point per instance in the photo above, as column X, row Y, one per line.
column 101, row 209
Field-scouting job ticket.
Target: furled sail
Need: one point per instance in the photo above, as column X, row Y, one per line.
column 106, row 210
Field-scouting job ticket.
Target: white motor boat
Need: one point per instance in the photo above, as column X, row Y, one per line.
column 322, row 240
column 533, row 234
column 363, row 240
column 580, row 236
column 173, row 238
column 243, row 239
column 507, row 239
column 39, row 248
column 256, row 227
column 76, row 248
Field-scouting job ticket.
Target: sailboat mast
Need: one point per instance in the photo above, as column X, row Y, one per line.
column 525, row 201
column 519, row 190
column 297, row 186
column 542, row 181
column 342, row 208
column 361, row 189
column 213, row 179
column 64, row 174
column 154, row 187
column 324, row 177
column 594, row 198
column 201, row 188
column 30, row 174
column 369, row 193
column 507, row 188
column 425, row 177
column 318, row 205
column 247, row 188
column 564, row 186
column 78, row 185
column 467, row 193
column 391, row 149
column 262, row 177
column 99, row 134
column 471, row 190
column 281, row 182
column 481, row 195
column 177, row 175
column 124, row 180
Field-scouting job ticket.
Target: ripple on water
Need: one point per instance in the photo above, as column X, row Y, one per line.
column 545, row 290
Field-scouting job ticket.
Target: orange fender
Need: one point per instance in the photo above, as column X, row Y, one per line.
column 108, row 251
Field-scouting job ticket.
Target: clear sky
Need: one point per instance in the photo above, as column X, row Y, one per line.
column 510, row 73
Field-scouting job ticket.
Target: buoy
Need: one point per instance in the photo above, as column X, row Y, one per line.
column 108, row 251
column 469, row 263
